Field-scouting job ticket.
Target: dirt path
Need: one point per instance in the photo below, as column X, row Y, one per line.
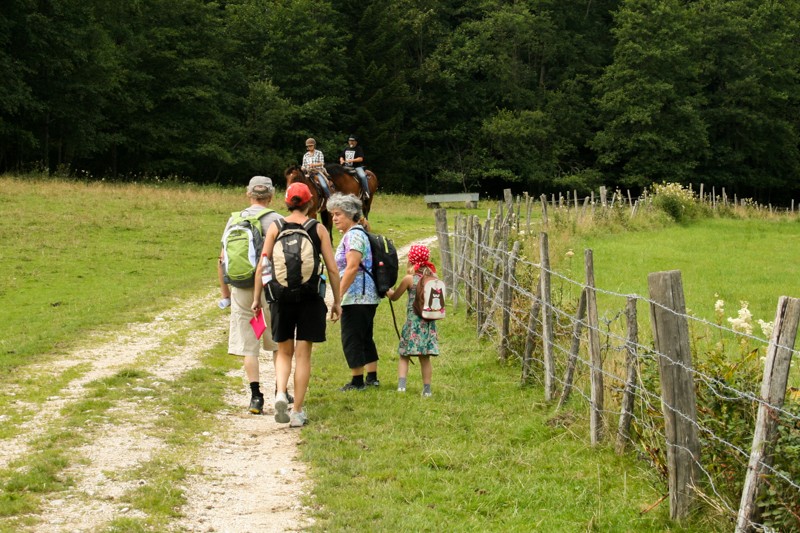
column 249, row 476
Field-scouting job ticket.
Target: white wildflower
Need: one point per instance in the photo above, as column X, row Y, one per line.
column 569, row 253
column 744, row 312
column 766, row 327
column 741, row 325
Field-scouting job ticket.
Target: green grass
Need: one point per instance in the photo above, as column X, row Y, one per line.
column 483, row 454
column 733, row 260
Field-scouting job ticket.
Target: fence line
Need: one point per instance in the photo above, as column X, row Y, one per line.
column 487, row 269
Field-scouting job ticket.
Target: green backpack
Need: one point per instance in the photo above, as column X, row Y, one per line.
column 241, row 248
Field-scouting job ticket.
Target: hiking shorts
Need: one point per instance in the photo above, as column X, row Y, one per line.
column 241, row 339
column 357, row 328
column 303, row 321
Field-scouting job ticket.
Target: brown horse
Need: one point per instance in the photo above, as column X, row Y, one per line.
column 295, row 174
column 341, row 181
column 347, row 183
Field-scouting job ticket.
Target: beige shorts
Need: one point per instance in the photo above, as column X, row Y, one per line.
column 241, row 339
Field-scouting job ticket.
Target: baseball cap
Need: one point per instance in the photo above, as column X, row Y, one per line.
column 301, row 191
column 262, row 182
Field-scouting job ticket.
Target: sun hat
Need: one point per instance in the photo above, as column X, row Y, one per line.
column 300, row 191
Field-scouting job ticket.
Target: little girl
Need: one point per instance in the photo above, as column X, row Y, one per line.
column 419, row 337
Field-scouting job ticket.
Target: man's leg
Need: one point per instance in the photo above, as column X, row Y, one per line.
column 362, row 175
column 323, row 183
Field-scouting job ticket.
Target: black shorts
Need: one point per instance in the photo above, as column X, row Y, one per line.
column 357, row 342
column 304, row 321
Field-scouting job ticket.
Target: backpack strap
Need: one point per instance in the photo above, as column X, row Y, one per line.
column 311, row 225
column 363, row 268
column 263, row 212
column 361, row 264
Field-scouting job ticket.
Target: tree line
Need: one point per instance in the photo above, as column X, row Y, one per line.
column 445, row 95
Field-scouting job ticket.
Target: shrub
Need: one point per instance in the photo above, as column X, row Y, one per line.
column 677, row 202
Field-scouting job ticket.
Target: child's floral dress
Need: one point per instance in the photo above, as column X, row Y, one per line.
column 419, row 336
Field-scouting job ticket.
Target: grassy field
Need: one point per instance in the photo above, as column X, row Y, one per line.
column 733, row 260
column 483, row 454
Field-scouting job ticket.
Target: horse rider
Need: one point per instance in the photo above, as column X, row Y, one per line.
column 352, row 158
column 314, row 166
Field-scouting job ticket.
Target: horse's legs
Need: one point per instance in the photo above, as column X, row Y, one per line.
column 327, row 221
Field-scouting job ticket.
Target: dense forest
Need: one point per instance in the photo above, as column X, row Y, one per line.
column 445, row 95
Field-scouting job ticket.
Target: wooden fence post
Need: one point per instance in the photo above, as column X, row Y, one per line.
column 444, row 245
column 508, row 277
column 678, row 402
column 456, row 259
column 575, row 346
column 528, row 205
column 479, row 289
column 530, row 339
column 547, row 318
column 596, row 416
column 773, row 391
column 544, row 210
column 628, row 395
column 472, row 256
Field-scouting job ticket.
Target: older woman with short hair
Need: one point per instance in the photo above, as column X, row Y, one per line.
column 359, row 296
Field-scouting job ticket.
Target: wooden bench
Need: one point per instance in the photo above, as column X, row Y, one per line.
column 470, row 199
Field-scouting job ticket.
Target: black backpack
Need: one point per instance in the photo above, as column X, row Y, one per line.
column 384, row 262
column 296, row 267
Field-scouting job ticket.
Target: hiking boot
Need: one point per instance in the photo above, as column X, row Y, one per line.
column 350, row 387
column 256, row 405
column 297, row 419
column 372, row 382
column 281, row 406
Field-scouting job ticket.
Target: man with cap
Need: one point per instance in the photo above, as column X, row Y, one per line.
column 353, row 157
column 242, row 341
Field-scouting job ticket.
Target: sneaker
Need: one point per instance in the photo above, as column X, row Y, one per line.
column 350, row 387
column 372, row 382
column 256, row 404
column 401, row 389
column 297, row 419
column 289, row 397
column 281, row 406
column 427, row 394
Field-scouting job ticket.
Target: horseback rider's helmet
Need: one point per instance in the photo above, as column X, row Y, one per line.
column 311, row 142
column 352, row 138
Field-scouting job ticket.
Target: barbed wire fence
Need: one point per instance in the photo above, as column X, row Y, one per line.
column 680, row 400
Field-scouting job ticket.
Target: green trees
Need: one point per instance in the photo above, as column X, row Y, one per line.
column 702, row 91
column 445, row 94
